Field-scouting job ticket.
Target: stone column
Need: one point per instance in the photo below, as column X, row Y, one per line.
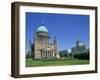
column 45, row 54
column 41, row 54
column 48, row 54
column 51, row 54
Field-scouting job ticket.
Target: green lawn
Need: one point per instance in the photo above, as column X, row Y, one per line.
column 34, row 63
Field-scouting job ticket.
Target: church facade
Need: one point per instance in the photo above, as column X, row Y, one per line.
column 42, row 48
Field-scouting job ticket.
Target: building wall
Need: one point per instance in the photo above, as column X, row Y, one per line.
column 78, row 50
column 44, row 44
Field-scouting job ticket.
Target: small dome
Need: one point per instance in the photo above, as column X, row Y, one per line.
column 42, row 28
column 69, row 50
column 79, row 43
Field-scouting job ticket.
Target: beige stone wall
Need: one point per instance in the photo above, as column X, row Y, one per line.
column 38, row 46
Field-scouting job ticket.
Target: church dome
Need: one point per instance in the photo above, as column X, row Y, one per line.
column 79, row 43
column 42, row 28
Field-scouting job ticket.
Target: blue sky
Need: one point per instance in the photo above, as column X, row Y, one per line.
column 66, row 27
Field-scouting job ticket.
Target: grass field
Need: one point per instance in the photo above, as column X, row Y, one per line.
column 34, row 63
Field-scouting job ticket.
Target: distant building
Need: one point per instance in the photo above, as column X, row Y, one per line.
column 80, row 48
column 42, row 48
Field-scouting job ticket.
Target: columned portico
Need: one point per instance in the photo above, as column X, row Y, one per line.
column 46, row 54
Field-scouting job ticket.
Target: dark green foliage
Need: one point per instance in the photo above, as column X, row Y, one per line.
column 84, row 56
column 63, row 53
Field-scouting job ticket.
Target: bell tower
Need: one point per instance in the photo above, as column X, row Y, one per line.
column 56, row 48
column 55, row 45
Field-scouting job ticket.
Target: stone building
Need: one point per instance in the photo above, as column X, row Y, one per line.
column 41, row 47
column 80, row 48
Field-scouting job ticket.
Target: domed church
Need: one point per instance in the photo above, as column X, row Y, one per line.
column 42, row 48
column 80, row 48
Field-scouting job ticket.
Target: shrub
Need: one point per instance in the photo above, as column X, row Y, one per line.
column 84, row 56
